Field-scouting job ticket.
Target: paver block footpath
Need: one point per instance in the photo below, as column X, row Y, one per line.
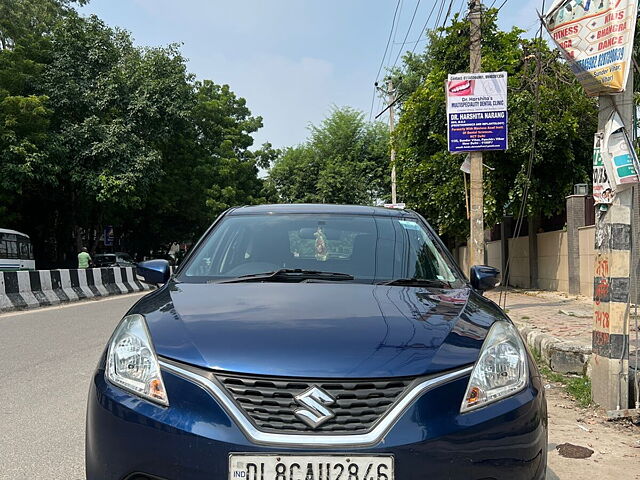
column 556, row 326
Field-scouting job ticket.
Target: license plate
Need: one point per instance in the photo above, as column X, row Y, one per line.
column 316, row 467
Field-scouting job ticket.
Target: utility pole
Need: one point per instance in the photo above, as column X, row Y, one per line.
column 392, row 125
column 477, row 245
column 613, row 270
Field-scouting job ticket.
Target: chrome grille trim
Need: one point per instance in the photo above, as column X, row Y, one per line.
column 270, row 401
column 370, row 438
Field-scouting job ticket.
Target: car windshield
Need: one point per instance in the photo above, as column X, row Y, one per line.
column 372, row 249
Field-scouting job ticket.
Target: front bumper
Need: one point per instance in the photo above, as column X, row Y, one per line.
column 193, row 437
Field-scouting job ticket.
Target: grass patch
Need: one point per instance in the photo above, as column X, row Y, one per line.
column 579, row 387
column 525, row 318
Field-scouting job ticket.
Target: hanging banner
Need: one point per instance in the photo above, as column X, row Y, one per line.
column 596, row 38
column 618, row 154
column 477, row 114
column 602, row 191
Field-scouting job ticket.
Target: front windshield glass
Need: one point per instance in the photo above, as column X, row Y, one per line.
column 371, row 249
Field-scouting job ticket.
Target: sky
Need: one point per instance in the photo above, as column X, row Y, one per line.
column 292, row 60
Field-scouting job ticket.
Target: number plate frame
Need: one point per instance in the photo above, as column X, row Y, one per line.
column 316, row 459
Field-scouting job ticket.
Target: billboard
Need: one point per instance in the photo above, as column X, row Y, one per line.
column 477, row 114
column 596, row 38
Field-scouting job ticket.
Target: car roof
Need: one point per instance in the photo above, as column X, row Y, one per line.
column 320, row 209
column 12, row 232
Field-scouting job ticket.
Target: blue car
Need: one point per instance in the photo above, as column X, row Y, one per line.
column 321, row 342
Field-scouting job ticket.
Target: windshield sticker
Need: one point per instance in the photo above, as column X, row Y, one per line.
column 409, row 225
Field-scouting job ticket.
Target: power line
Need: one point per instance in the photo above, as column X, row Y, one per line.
column 395, row 14
column 422, row 32
column 446, row 18
column 534, row 133
column 462, row 5
column 373, row 101
column 424, row 27
column 505, row 2
column 413, row 17
column 386, row 49
column 437, row 22
column 395, row 35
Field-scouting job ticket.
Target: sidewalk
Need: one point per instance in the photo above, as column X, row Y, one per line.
column 556, row 325
column 567, row 317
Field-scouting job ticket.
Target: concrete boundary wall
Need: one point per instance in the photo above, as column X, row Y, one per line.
column 40, row 288
column 552, row 260
column 587, row 258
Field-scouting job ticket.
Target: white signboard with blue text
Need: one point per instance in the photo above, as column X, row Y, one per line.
column 477, row 113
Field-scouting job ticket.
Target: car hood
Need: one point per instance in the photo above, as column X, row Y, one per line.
column 321, row 330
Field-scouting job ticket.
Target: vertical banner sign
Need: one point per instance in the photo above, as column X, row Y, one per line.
column 477, row 114
column 602, row 191
column 596, row 38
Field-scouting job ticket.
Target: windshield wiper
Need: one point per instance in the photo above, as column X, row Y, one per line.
column 417, row 282
column 290, row 274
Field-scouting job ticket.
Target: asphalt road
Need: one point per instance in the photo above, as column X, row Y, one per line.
column 47, row 357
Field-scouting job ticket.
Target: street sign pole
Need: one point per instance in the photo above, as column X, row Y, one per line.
column 477, row 246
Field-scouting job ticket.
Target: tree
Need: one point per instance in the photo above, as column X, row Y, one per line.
column 345, row 160
column 428, row 176
column 95, row 131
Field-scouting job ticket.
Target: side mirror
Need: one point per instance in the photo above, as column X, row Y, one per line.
column 484, row 278
column 154, row 271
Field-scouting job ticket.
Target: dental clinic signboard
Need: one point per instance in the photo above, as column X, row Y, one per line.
column 477, row 114
column 596, row 38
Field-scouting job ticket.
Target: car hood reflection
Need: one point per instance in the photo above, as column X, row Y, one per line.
column 318, row 330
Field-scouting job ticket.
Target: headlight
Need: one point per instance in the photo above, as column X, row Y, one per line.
column 132, row 363
column 501, row 369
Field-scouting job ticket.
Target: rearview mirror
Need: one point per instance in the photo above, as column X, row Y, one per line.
column 484, row 278
column 154, row 271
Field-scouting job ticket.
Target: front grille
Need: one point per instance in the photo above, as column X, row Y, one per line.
column 269, row 402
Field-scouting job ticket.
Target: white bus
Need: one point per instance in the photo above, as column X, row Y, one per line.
column 16, row 251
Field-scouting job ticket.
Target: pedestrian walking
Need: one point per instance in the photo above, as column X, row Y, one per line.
column 84, row 259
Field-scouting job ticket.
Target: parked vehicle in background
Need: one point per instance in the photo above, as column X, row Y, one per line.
column 118, row 259
column 16, row 251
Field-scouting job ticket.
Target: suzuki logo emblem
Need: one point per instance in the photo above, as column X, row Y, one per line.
column 314, row 402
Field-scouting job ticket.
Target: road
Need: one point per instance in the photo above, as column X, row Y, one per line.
column 47, row 357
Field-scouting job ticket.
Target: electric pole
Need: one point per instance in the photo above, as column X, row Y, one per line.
column 391, row 99
column 613, row 271
column 476, row 247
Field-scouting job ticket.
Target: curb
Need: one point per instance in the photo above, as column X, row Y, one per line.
column 559, row 355
column 43, row 288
